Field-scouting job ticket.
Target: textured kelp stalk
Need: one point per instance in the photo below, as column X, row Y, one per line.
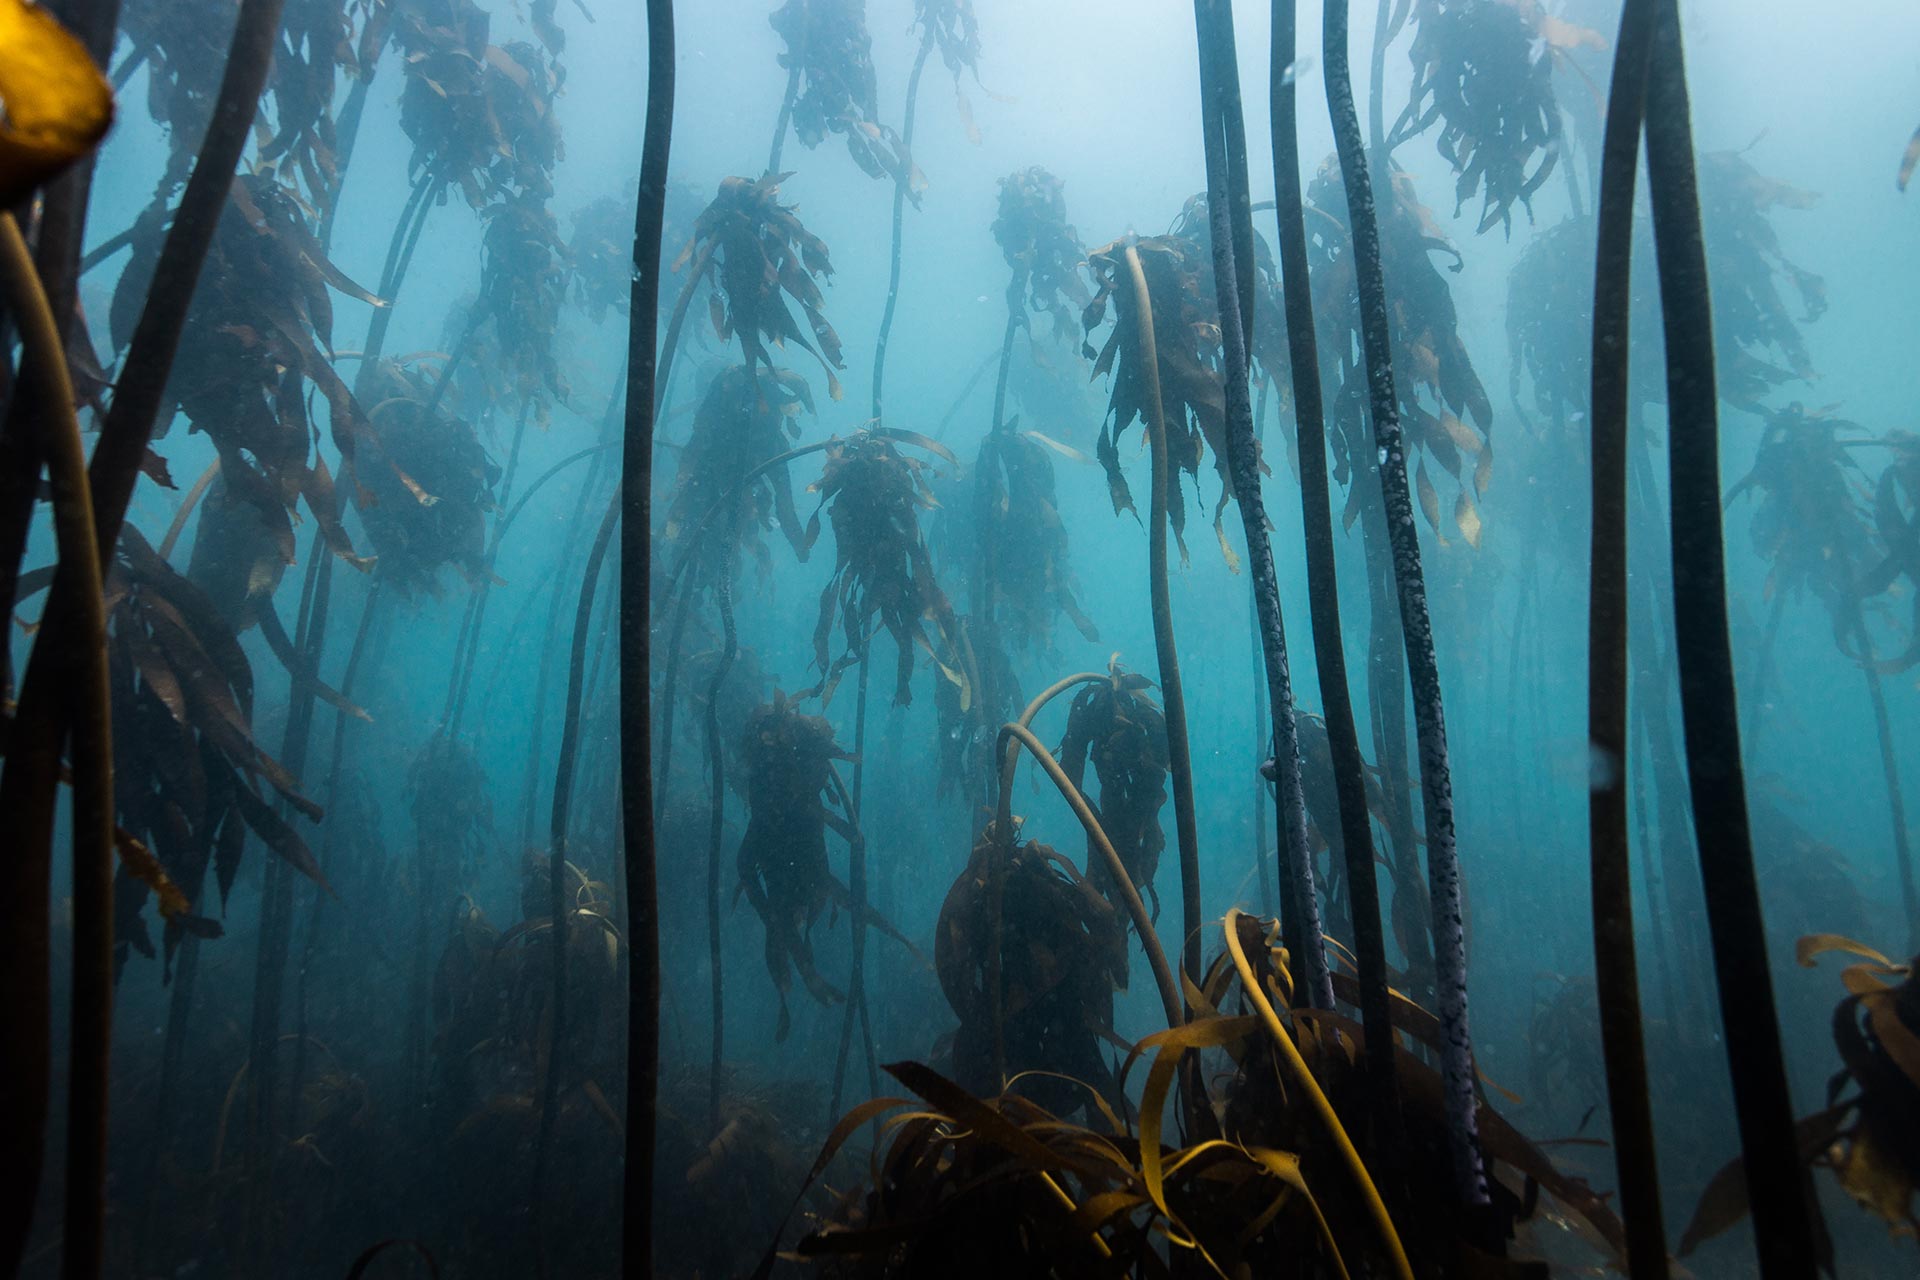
column 1436, row 778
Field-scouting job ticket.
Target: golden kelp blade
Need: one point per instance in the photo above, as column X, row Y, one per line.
column 54, row 103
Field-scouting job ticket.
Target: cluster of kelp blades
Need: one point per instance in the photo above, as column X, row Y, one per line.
column 1333, row 1147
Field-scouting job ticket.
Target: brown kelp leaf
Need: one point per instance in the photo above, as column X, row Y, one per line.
column 1807, row 949
column 1429, row 499
column 1467, row 517
column 144, row 867
column 279, row 837
column 54, row 103
column 1909, row 160
column 1724, row 1203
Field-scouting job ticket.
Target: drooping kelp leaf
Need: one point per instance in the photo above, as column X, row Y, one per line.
column 54, row 103
column 1757, row 339
column 1896, row 520
column 600, row 253
column 1062, row 954
column 523, row 281
column 1813, row 518
column 424, row 485
column 1024, row 538
column 1186, row 333
column 955, row 31
column 1483, row 69
column 756, row 253
column 316, row 44
column 258, row 335
column 873, row 495
column 792, row 800
column 1118, row 727
column 1444, row 410
column 1041, row 247
column 1271, row 363
column 828, row 43
column 480, row 116
column 186, row 765
column 1869, row 1139
column 739, row 426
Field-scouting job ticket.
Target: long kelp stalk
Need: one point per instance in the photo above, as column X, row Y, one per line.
column 44, row 361
column 717, row 784
column 1323, row 592
column 1179, row 752
column 1763, row 1104
column 902, row 181
column 1225, row 208
column 1436, row 778
column 1616, row 969
column 558, row 907
column 636, row 708
column 856, row 1003
column 27, row 789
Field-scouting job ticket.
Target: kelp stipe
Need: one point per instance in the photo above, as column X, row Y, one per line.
column 1232, row 235
column 1323, row 595
column 1436, row 780
column 1782, row 1209
column 1623, row 1039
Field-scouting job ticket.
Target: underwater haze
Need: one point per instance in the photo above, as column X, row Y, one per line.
column 1100, row 742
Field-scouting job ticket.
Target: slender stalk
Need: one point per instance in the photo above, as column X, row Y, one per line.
column 44, row 361
column 557, row 905
column 901, row 180
column 27, row 788
column 1436, row 777
column 1226, row 208
column 1014, row 735
column 462, row 679
column 1179, row 753
column 406, row 238
column 1616, row 970
column 717, row 805
column 1763, row 1103
column 856, row 886
column 1323, row 592
column 636, row 706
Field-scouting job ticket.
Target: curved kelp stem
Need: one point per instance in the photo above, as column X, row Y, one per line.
column 636, row 660
column 1323, row 593
column 91, row 1035
column 1013, row 733
column 557, row 903
column 1436, row 779
column 1616, row 970
column 902, row 180
column 1227, row 207
column 1763, row 1104
column 27, row 788
column 1296, row 1070
column 1179, row 753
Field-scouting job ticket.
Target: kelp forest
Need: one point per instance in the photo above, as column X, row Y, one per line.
column 937, row 638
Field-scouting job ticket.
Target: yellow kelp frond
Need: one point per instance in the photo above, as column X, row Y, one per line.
column 54, row 103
